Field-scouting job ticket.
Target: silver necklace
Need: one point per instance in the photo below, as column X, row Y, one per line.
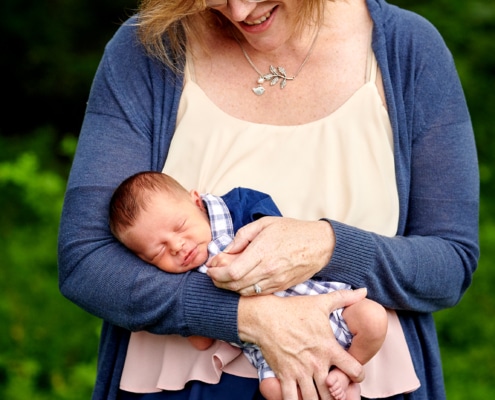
column 275, row 74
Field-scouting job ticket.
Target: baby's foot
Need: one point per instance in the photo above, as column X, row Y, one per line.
column 340, row 386
column 353, row 392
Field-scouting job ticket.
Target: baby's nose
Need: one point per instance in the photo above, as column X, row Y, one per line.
column 176, row 246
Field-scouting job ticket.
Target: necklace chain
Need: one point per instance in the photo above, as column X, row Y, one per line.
column 275, row 74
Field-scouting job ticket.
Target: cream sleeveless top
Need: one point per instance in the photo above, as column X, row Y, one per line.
column 339, row 167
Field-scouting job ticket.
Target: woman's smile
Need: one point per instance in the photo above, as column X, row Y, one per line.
column 261, row 19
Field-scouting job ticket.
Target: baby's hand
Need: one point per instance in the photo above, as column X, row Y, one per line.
column 221, row 260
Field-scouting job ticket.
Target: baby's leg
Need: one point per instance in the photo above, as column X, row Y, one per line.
column 200, row 342
column 367, row 321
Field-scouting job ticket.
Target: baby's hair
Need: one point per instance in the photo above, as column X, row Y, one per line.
column 133, row 194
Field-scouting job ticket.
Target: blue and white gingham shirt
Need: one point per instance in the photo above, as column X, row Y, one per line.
column 222, row 231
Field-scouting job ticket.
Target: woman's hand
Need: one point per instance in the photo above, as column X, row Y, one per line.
column 296, row 339
column 274, row 253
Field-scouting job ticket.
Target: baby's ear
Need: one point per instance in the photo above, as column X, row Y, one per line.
column 196, row 198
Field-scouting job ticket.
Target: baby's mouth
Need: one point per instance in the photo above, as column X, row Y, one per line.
column 260, row 20
column 188, row 257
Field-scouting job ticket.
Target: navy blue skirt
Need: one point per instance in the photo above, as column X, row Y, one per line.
column 230, row 387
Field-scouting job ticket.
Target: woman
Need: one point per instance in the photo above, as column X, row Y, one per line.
column 364, row 125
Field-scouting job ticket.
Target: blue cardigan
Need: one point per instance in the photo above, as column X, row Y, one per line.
column 427, row 266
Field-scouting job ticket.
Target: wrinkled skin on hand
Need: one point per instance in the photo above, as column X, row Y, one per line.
column 297, row 341
column 273, row 252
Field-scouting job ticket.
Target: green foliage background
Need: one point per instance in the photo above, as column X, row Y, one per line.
column 50, row 50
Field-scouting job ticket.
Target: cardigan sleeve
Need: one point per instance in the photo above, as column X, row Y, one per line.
column 429, row 264
column 127, row 128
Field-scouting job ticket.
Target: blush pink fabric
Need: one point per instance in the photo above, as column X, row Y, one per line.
column 157, row 363
column 391, row 371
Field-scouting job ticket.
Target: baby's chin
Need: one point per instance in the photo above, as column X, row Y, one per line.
column 200, row 260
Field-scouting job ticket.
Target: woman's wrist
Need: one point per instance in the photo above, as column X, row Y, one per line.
column 248, row 322
column 327, row 243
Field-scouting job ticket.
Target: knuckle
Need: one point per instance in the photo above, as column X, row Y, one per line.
column 356, row 373
column 278, row 283
column 242, row 232
column 233, row 286
column 221, row 261
column 234, row 275
column 270, row 268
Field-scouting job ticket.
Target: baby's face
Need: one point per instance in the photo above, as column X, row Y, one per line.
column 172, row 234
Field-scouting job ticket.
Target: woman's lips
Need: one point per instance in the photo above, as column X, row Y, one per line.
column 253, row 24
column 260, row 20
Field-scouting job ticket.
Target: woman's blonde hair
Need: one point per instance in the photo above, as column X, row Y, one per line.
column 163, row 25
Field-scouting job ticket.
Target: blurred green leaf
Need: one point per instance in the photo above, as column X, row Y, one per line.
column 51, row 50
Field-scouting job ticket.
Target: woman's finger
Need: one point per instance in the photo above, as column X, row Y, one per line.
column 256, row 289
column 346, row 363
column 341, row 358
column 246, row 235
column 290, row 389
column 308, row 390
column 343, row 298
column 227, row 274
column 321, row 386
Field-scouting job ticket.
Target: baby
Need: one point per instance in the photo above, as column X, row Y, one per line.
column 178, row 230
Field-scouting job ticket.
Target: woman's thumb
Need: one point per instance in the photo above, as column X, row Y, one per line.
column 344, row 298
column 243, row 237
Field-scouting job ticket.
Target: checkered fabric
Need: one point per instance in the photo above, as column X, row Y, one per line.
column 222, row 230
column 312, row 287
column 222, row 234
